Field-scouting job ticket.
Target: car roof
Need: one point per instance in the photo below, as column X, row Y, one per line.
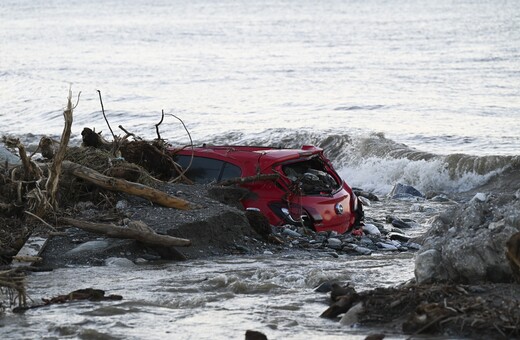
column 265, row 154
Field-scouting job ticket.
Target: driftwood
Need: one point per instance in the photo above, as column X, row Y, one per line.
column 144, row 236
column 30, row 259
column 122, row 185
column 54, row 174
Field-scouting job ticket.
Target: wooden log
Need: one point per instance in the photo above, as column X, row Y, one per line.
column 144, row 236
column 122, row 185
column 30, row 259
column 30, row 252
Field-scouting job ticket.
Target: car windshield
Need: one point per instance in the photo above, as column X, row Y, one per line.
column 312, row 177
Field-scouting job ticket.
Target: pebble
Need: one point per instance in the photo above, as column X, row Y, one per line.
column 291, row 233
column 121, row 205
column 325, row 287
column 400, row 224
column 371, row 229
column 481, row 197
column 366, row 241
column 334, row 243
column 374, row 237
column 119, row 262
column 386, row 246
column 363, row 250
column 398, row 236
column 412, row 245
column 365, row 201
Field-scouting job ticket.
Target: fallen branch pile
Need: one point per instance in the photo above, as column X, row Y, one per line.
column 40, row 192
column 474, row 311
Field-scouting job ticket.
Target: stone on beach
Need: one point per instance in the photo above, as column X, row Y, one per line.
column 468, row 243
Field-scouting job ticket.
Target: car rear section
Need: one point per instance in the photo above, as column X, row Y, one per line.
column 310, row 193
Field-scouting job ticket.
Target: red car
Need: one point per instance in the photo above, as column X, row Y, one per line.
column 289, row 186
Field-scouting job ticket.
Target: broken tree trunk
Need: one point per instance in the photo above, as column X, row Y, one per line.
column 54, row 174
column 144, row 236
column 122, row 185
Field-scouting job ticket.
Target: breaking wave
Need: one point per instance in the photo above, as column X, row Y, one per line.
column 376, row 164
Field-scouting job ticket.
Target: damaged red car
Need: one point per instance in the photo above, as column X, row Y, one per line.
column 289, row 186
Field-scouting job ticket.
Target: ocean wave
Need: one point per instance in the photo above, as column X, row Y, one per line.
column 376, row 163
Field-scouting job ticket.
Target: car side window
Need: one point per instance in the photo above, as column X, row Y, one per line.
column 206, row 170
column 230, row 171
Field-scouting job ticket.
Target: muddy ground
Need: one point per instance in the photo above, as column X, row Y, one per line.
column 214, row 229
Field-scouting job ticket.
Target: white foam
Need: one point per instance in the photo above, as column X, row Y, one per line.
column 379, row 175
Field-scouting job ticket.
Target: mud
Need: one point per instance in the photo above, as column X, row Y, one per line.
column 214, row 228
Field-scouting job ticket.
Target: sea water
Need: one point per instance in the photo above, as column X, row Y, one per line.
column 424, row 93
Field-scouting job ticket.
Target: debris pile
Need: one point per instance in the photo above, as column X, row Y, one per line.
column 488, row 311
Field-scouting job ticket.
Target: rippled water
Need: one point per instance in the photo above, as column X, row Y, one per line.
column 437, row 75
column 205, row 299
column 442, row 77
column 218, row 298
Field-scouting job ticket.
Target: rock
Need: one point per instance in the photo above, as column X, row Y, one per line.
column 259, row 223
column 334, row 243
column 242, row 249
column 412, row 245
column 427, row 265
column 398, row 236
column 402, row 191
column 467, row 244
column 325, row 287
column 364, row 201
column 364, row 194
column 362, row 250
column 386, row 246
column 119, row 262
column 121, row 205
column 371, row 229
column 6, row 155
column 350, row 318
column 366, row 241
column 440, row 198
column 337, row 291
column 90, row 246
column 254, row 335
column 479, row 197
column 400, row 224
